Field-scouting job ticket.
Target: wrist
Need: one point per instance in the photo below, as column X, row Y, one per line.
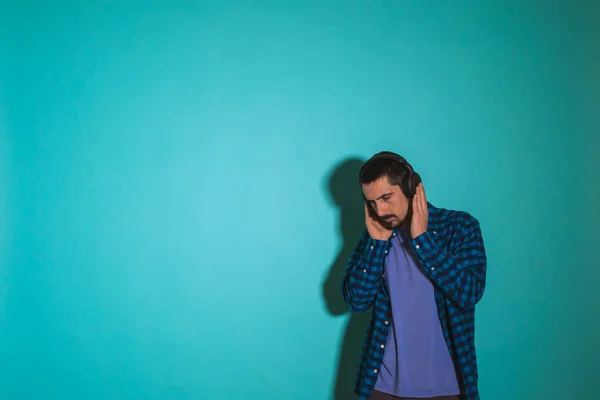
column 417, row 234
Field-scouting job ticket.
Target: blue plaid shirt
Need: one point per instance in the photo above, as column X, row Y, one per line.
column 452, row 255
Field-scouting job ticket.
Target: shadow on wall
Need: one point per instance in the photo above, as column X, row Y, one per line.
column 345, row 193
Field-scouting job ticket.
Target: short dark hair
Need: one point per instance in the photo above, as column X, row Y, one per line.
column 383, row 167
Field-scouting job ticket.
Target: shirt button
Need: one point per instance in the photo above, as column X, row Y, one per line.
column 386, row 252
column 432, row 268
column 371, row 247
column 417, row 246
column 386, row 322
column 375, row 370
column 382, row 346
column 365, row 271
column 434, row 232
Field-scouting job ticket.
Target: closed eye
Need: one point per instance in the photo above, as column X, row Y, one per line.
column 384, row 197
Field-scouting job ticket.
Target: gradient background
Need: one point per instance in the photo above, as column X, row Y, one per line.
column 178, row 194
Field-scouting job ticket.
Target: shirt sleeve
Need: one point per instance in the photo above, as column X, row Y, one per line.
column 363, row 273
column 459, row 270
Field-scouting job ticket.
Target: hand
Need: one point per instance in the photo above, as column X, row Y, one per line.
column 420, row 214
column 376, row 230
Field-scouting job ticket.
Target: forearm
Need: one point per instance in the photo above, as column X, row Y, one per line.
column 363, row 274
column 460, row 275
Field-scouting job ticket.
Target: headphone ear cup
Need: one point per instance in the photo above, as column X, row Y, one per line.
column 409, row 186
column 414, row 181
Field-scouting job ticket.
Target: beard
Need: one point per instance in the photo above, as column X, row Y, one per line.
column 391, row 221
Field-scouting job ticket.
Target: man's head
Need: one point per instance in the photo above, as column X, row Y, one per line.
column 382, row 179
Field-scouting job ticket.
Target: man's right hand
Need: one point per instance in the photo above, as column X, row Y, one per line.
column 376, row 230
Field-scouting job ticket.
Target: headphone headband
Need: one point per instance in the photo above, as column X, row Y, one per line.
column 389, row 156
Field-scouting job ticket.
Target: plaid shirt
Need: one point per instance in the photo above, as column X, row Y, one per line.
column 452, row 254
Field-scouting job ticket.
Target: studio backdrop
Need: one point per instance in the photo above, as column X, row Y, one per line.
column 179, row 197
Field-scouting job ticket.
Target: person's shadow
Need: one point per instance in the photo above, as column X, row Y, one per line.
column 346, row 194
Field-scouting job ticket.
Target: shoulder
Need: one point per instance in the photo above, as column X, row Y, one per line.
column 453, row 220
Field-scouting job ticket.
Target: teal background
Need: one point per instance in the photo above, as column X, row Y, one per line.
column 178, row 192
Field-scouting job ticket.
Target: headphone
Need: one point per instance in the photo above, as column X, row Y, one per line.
column 412, row 178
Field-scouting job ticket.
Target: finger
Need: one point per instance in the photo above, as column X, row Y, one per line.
column 416, row 203
column 423, row 200
column 367, row 212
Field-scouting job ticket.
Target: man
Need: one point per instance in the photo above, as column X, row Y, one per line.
column 422, row 269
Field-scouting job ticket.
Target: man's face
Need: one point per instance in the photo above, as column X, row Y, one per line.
column 387, row 201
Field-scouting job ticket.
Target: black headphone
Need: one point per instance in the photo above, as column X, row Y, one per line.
column 412, row 178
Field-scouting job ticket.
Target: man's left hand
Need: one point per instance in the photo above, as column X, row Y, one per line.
column 420, row 214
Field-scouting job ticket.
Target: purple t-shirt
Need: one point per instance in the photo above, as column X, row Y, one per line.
column 417, row 362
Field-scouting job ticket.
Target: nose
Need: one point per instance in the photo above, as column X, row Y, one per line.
column 381, row 210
